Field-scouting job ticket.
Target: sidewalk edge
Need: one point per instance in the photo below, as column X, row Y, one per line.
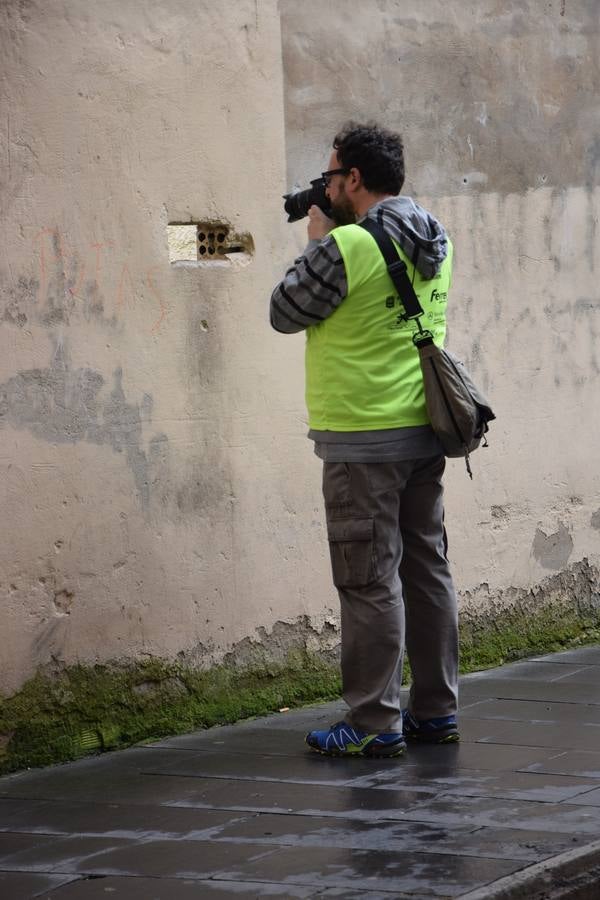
column 540, row 877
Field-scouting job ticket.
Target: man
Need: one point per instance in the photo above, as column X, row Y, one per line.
column 382, row 463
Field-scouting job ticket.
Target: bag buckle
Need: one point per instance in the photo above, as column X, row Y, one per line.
column 397, row 268
column 422, row 335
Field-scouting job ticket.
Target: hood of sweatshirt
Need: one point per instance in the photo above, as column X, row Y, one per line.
column 419, row 234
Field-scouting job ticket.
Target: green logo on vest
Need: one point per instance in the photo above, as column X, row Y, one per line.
column 439, row 296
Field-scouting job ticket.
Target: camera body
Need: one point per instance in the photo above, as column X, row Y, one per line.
column 298, row 203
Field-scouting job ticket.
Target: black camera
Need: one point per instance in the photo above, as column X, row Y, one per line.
column 298, row 203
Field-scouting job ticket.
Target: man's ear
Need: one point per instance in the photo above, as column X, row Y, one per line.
column 354, row 179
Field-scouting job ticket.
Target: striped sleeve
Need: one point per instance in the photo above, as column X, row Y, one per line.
column 311, row 289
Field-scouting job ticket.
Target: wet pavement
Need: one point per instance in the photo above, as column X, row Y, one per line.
column 248, row 811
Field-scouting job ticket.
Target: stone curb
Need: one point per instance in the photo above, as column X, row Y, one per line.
column 563, row 876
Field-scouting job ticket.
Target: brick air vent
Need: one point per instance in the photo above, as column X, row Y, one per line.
column 207, row 243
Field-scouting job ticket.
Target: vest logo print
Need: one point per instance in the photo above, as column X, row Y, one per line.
column 439, row 296
column 400, row 320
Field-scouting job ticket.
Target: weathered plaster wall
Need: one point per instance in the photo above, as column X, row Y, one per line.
column 153, row 501
column 159, row 496
column 498, row 105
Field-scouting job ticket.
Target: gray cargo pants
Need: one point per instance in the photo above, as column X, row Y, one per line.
column 388, row 554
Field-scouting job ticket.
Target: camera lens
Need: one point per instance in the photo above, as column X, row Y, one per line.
column 298, row 203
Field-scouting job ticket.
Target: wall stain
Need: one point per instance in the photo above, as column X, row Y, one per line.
column 206, row 485
column 595, row 520
column 62, row 405
column 501, row 516
column 19, row 298
column 591, row 229
column 552, row 551
column 592, row 159
column 63, row 601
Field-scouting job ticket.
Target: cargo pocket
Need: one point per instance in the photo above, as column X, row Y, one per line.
column 351, row 549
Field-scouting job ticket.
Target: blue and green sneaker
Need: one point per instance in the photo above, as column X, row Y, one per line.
column 443, row 730
column 343, row 740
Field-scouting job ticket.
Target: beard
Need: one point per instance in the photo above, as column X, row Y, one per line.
column 342, row 211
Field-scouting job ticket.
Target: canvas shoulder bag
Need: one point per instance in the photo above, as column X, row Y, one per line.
column 458, row 410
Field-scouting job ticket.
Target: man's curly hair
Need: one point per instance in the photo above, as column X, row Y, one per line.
column 376, row 152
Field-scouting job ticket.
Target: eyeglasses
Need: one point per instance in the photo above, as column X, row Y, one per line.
column 326, row 176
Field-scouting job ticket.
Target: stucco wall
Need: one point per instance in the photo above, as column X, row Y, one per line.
column 154, row 481
column 159, row 494
column 497, row 102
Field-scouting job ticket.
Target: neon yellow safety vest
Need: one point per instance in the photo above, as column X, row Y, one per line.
column 362, row 369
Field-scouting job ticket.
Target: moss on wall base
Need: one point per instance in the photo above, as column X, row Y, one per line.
column 87, row 709
column 517, row 638
column 95, row 708
column 560, row 611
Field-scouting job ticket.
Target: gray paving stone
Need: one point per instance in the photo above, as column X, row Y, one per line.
column 311, row 768
column 134, row 788
column 182, row 889
column 536, row 734
column 503, row 785
column 525, row 815
column 111, row 856
column 441, row 875
column 103, row 776
column 111, row 819
column 589, row 798
column 173, row 889
column 224, row 794
column 372, row 895
column 56, row 854
column 251, row 741
column 447, row 758
column 582, row 655
column 473, row 730
column 11, row 844
column 305, row 767
column 536, row 711
column 343, row 801
column 21, row 886
column 403, row 837
column 11, row 810
column 527, row 843
column 585, row 676
column 543, row 670
column 570, row 762
column 319, row 831
column 521, row 689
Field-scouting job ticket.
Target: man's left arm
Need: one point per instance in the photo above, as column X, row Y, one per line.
column 311, row 289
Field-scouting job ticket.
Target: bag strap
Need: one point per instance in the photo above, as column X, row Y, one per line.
column 396, row 268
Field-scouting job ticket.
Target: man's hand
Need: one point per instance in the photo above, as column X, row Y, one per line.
column 318, row 224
